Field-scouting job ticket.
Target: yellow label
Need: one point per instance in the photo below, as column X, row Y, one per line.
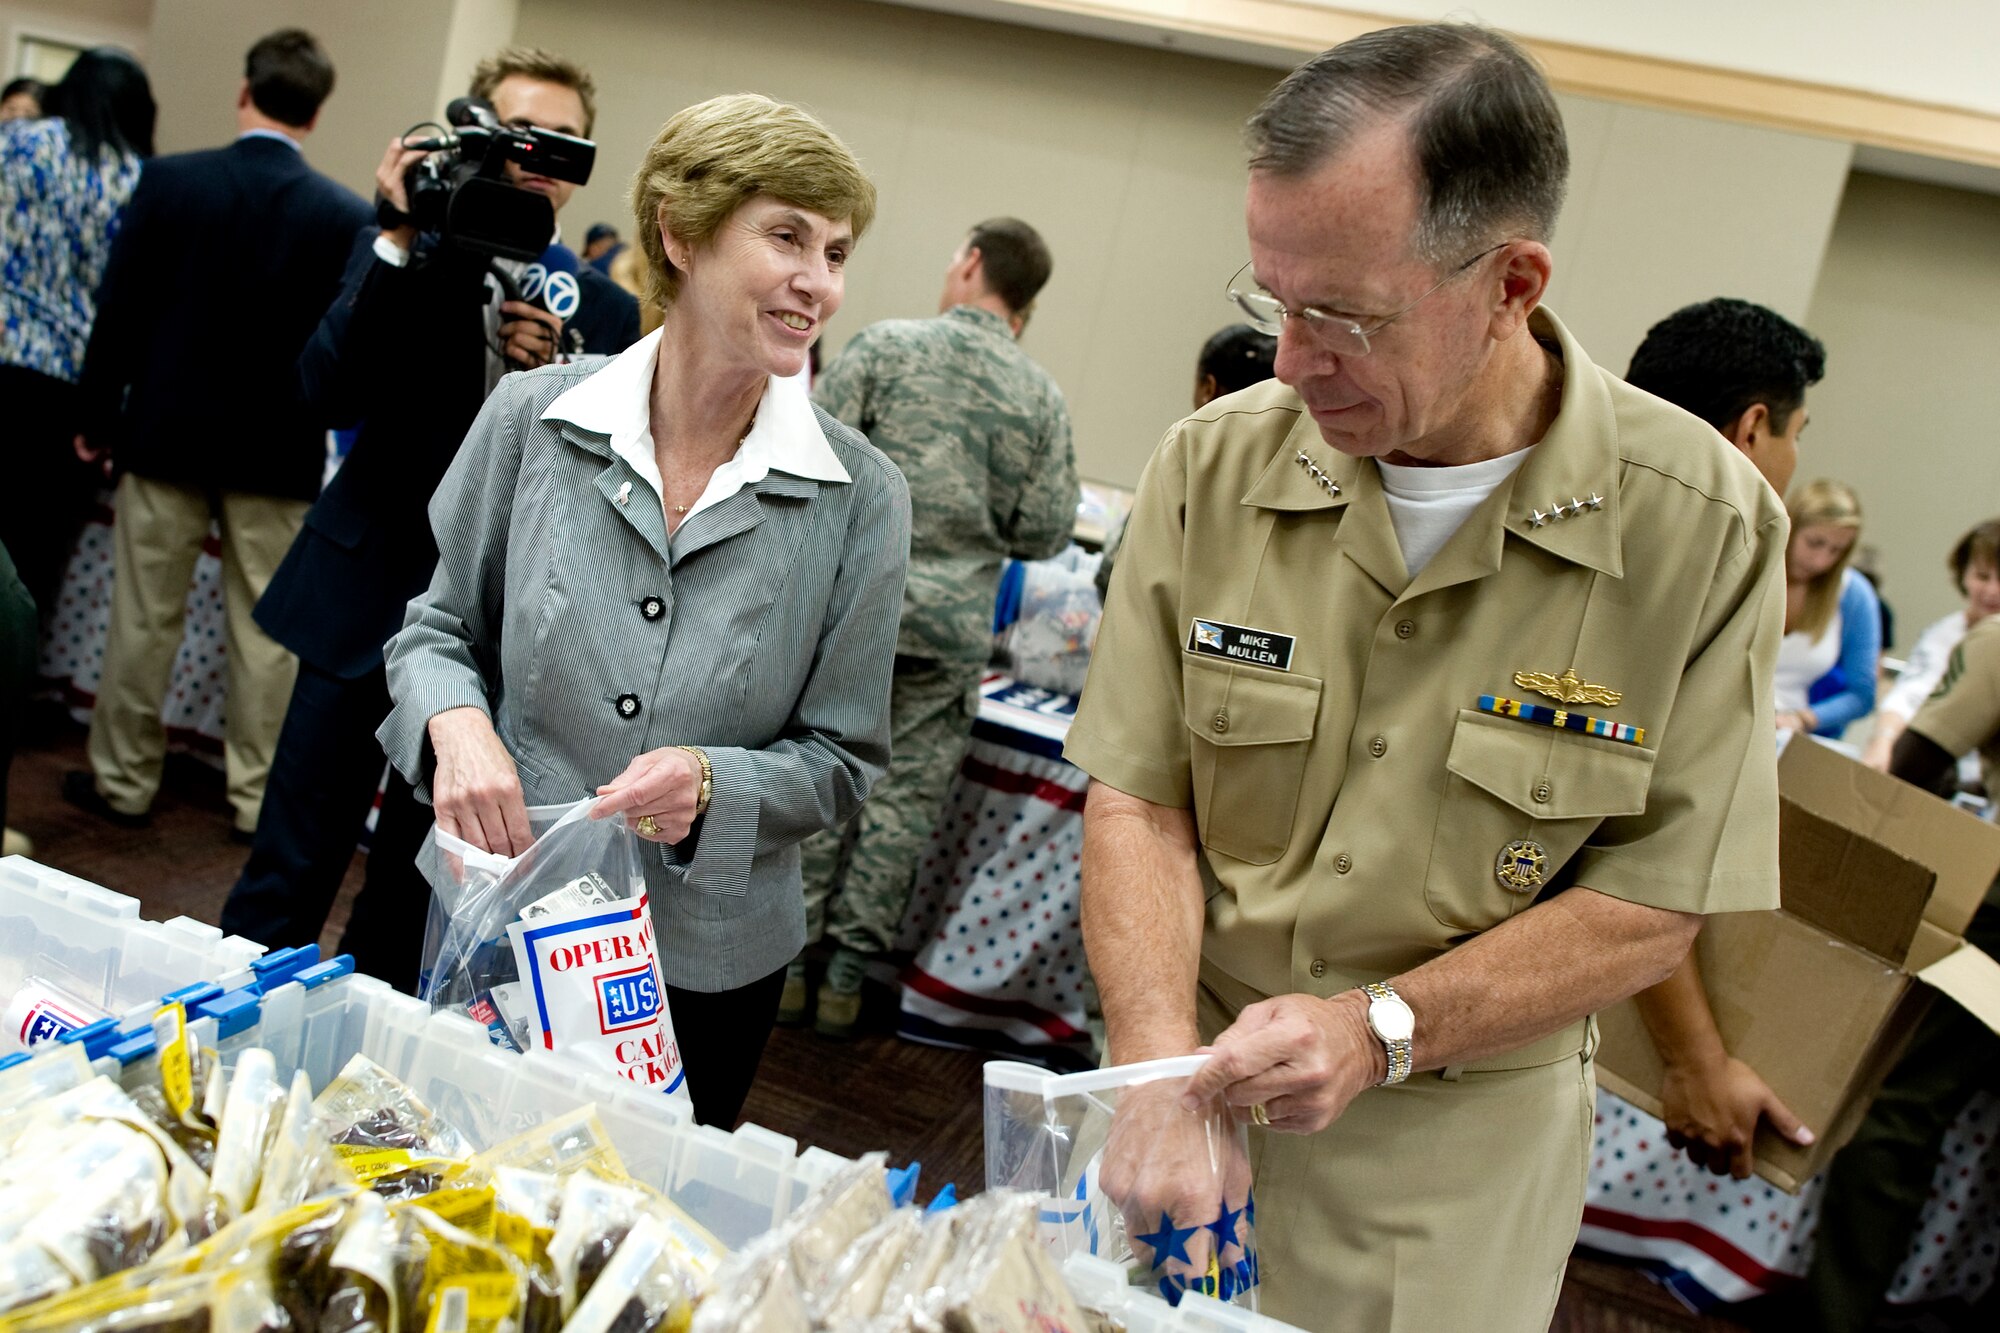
column 469, row 1210
column 470, row 1288
column 176, row 1061
column 516, row 1235
column 371, row 1164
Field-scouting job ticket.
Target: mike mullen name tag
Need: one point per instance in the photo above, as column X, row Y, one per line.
column 1239, row 643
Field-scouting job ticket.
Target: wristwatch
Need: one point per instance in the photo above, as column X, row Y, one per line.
column 1393, row 1024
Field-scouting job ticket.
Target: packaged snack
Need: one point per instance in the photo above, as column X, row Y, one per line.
column 381, row 1132
column 365, row 1293
column 300, row 1157
column 243, row 1138
column 755, row 1292
column 834, row 1217
column 855, row 1287
column 1003, row 1280
column 641, row 1290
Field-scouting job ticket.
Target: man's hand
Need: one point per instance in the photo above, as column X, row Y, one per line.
column 87, row 455
column 1303, row 1059
column 476, row 791
column 1179, row 1179
column 396, row 163
column 529, row 338
column 1711, row 1112
column 665, row 784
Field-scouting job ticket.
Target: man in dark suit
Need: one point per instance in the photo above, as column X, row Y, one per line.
column 223, row 266
column 418, row 337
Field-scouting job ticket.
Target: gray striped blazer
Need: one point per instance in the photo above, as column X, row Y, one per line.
column 771, row 645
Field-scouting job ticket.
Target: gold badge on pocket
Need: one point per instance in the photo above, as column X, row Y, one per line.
column 1568, row 688
column 1523, row 866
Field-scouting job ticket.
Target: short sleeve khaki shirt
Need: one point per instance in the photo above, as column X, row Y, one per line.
column 1266, row 660
column 1963, row 713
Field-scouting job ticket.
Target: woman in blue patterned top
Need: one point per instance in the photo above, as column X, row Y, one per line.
column 64, row 180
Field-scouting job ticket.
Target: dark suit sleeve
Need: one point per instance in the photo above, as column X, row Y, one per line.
column 609, row 315
column 127, row 302
column 373, row 342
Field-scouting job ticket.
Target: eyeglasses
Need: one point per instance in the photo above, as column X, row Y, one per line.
column 1342, row 335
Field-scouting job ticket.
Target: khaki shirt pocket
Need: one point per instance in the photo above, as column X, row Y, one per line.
column 1250, row 733
column 1508, row 782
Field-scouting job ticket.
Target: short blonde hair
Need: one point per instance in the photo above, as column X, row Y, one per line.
column 714, row 156
column 1834, row 504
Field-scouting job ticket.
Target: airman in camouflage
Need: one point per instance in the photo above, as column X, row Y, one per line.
column 982, row 434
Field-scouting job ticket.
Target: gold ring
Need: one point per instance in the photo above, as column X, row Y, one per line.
column 646, row 827
column 1259, row 1114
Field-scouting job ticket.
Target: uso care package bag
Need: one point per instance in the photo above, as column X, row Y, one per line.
column 1127, row 1175
column 553, row 949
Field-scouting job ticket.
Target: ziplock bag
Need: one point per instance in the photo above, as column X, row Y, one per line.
column 1098, row 1146
column 553, row 949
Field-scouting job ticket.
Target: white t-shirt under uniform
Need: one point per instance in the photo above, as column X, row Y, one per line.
column 1428, row 504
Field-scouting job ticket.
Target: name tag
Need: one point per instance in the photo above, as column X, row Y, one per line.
column 1239, row 643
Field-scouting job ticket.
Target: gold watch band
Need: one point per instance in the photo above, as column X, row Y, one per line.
column 707, row 778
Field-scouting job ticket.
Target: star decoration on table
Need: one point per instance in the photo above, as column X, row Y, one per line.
column 1169, row 1242
column 1224, row 1227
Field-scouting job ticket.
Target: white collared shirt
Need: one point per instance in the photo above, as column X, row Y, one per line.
column 618, row 401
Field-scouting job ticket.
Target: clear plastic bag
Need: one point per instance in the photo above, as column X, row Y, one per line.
column 1127, row 1175
column 554, row 948
column 1049, row 643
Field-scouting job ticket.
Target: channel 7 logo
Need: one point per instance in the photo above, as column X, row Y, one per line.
column 627, row 999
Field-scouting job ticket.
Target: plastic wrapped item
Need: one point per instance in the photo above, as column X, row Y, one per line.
column 642, row 1290
column 1055, row 626
column 554, row 948
column 382, row 1133
column 300, row 1158
column 243, row 1138
column 1001, row 1278
column 756, row 1292
column 834, row 1216
column 857, row 1285
column 1116, row 1160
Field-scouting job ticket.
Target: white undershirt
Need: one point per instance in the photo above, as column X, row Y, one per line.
column 1428, row 504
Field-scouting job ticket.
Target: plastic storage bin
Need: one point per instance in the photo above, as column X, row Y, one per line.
column 91, row 942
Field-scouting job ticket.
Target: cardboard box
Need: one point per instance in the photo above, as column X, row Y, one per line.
column 1880, row 880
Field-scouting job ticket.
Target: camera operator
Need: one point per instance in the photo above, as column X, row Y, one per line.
column 425, row 326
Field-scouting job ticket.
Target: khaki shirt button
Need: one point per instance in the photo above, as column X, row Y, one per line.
column 1318, row 968
column 1406, row 629
column 1221, row 721
column 1543, row 792
column 1379, row 746
column 1342, row 864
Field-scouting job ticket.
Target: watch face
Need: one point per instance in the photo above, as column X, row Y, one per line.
column 1392, row 1020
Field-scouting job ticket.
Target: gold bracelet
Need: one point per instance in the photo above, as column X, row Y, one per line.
column 707, row 778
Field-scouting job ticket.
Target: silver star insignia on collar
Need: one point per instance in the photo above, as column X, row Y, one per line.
column 1536, row 518
column 1595, row 501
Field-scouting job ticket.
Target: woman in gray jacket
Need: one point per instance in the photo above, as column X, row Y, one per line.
column 671, row 581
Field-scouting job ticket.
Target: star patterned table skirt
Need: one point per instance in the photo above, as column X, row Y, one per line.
column 1713, row 1240
column 72, row 657
column 993, row 935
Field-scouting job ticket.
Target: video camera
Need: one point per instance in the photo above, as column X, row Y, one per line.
column 461, row 194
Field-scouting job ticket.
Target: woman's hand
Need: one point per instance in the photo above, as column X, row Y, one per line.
column 1711, row 1113
column 665, row 784
column 476, row 791
column 1801, row 720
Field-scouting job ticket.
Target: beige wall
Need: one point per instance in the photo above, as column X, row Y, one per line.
column 86, row 22
column 1906, row 305
column 1668, row 209
column 1127, row 161
column 1130, row 162
column 386, row 54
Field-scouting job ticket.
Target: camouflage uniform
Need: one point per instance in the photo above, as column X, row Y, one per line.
column 982, row 434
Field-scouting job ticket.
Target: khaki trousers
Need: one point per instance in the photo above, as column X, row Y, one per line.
column 155, row 542
column 1448, row 1202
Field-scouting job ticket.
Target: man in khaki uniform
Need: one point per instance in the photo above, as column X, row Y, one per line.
column 1442, row 666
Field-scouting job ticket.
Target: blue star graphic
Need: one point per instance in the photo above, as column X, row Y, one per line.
column 1169, row 1242
column 1250, row 1209
column 1224, row 1227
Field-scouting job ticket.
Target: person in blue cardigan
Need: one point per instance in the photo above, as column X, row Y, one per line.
column 1833, row 620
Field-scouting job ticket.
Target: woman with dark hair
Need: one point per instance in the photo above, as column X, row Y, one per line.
column 64, row 181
